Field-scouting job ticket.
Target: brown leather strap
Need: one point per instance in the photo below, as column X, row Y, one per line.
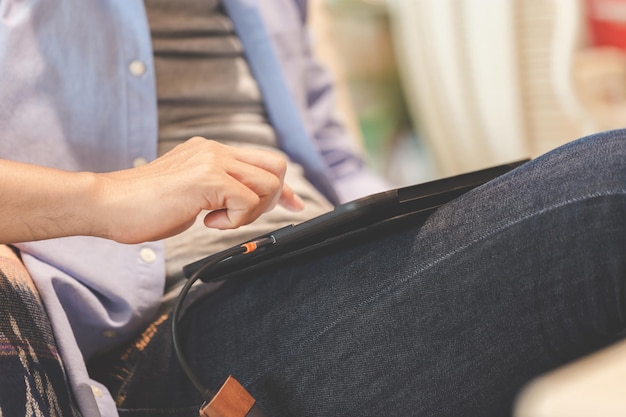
column 232, row 400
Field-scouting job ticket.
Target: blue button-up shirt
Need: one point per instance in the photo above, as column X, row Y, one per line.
column 77, row 92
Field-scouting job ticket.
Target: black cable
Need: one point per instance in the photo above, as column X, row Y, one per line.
column 243, row 249
column 207, row 394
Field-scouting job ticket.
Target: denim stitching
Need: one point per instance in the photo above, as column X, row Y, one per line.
column 431, row 264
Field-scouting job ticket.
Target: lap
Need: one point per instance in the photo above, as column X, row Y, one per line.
column 449, row 318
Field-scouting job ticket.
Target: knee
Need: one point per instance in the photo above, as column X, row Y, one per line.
column 604, row 151
column 595, row 162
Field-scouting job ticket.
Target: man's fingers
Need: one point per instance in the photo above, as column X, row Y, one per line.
column 234, row 205
column 218, row 219
column 290, row 200
column 251, row 182
column 273, row 162
column 265, row 184
column 243, row 207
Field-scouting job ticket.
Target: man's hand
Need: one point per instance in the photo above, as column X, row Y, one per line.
column 151, row 202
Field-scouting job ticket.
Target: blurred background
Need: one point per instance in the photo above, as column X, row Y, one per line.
column 433, row 88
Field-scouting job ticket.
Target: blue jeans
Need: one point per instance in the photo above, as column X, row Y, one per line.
column 446, row 319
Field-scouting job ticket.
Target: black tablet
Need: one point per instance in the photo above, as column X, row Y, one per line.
column 350, row 220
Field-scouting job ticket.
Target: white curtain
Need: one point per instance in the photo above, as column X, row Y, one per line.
column 489, row 81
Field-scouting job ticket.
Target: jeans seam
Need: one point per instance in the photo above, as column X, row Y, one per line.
column 422, row 268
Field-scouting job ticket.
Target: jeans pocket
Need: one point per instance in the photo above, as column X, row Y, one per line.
column 192, row 411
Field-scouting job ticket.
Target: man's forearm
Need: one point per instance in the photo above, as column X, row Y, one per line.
column 41, row 203
column 151, row 202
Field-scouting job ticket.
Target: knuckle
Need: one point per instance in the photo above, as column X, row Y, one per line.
column 238, row 222
column 254, row 201
column 274, row 184
column 281, row 165
column 197, row 139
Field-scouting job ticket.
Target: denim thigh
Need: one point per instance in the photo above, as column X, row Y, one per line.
column 449, row 318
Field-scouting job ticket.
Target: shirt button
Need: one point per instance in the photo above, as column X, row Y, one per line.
column 139, row 162
column 97, row 392
column 147, row 255
column 137, row 68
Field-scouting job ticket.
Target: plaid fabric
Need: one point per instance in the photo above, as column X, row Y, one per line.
column 32, row 378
